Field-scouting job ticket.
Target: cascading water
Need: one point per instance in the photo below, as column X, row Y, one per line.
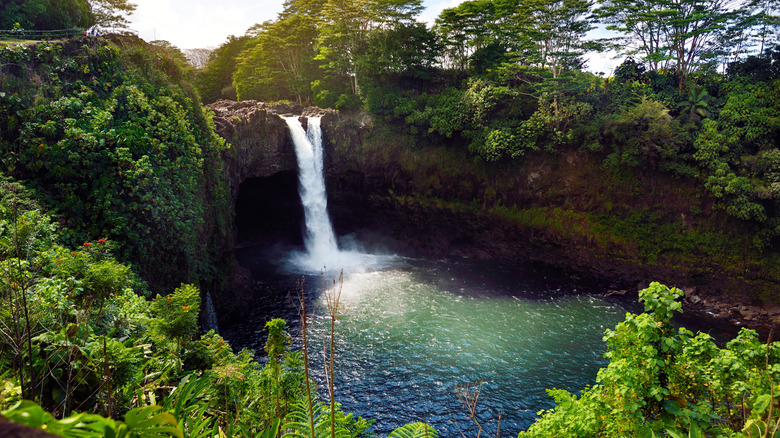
column 210, row 315
column 320, row 241
column 321, row 246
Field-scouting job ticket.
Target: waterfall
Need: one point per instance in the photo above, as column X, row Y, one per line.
column 209, row 315
column 320, row 240
column 322, row 251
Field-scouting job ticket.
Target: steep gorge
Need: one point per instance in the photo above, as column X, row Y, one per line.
column 563, row 210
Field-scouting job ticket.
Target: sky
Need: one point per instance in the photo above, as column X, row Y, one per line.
column 192, row 24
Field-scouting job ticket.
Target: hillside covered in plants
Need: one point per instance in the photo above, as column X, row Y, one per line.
column 112, row 191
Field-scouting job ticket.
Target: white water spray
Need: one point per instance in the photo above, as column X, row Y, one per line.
column 320, row 240
column 322, row 250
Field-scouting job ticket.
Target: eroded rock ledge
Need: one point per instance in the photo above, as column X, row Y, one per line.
column 259, row 143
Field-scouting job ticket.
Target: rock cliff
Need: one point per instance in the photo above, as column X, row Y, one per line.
column 258, row 138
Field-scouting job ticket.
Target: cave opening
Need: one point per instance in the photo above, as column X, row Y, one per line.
column 269, row 211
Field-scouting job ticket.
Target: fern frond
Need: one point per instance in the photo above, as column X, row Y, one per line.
column 414, row 430
column 296, row 423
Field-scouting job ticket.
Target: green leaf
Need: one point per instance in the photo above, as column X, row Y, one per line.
column 146, row 423
column 272, row 431
column 672, row 407
column 414, row 430
column 761, row 403
column 28, row 413
column 695, row 432
column 646, row 432
column 754, row 428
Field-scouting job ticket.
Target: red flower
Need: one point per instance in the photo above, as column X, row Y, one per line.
column 170, row 297
column 101, row 240
column 185, row 307
column 87, row 244
column 73, row 253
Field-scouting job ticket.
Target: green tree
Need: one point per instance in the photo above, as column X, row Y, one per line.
column 697, row 105
column 44, row 14
column 664, row 381
column 110, row 13
column 764, row 19
column 279, row 62
column 345, row 27
column 176, row 317
column 469, row 27
column 407, row 50
column 400, row 60
column 216, row 80
column 554, row 31
column 174, row 53
column 736, row 194
column 675, row 34
column 556, row 28
column 641, row 135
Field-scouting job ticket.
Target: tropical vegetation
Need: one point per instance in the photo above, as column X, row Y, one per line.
column 114, row 207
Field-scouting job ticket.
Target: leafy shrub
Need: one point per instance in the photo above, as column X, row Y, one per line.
column 735, row 194
column 660, row 380
column 641, row 135
column 176, row 317
column 119, row 146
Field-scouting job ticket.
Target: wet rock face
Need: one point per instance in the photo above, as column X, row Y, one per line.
column 371, row 197
column 259, row 147
column 259, row 142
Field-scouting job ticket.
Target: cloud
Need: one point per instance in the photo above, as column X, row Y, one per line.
column 433, row 8
column 199, row 23
column 603, row 62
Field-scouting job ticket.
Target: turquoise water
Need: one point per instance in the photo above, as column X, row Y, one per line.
column 414, row 333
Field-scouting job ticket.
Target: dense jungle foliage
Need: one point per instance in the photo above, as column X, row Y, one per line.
column 114, row 141
column 99, row 359
column 86, row 352
column 79, row 339
column 113, row 200
column 48, row 15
